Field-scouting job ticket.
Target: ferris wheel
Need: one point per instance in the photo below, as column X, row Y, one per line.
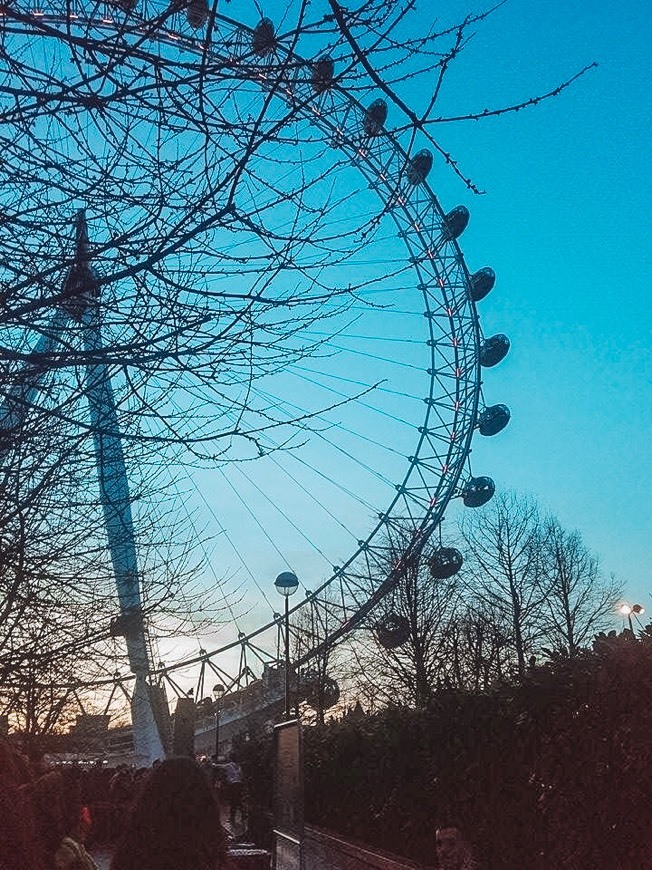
column 215, row 247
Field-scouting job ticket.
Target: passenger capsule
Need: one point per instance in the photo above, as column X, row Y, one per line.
column 263, row 41
column 493, row 350
column 419, row 167
column 482, row 283
column 374, row 118
column 493, row 419
column 445, row 562
column 456, row 222
column 392, row 631
column 319, row 690
column 197, row 13
column 477, row 491
column 323, row 70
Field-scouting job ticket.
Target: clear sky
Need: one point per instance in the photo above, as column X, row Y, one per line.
column 566, row 225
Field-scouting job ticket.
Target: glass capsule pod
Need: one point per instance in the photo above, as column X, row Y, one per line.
column 419, row 167
column 455, row 222
column 125, row 5
column 477, row 491
column 493, row 350
column 374, row 118
column 482, row 283
column 323, row 70
column 493, row 419
column 445, row 562
column 263, row 40
column 392, row 631
column 197, row 13
column 312, row 685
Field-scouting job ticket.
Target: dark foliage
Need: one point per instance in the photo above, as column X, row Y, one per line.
column 552, row 772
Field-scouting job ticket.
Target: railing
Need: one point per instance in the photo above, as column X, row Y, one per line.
column 323, row 850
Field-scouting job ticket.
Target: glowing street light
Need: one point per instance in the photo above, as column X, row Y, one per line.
column 628, row 609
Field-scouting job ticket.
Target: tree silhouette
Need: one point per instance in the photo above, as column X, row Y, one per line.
column 405, row 656
column 506, row 568
column 217, row 243
column 538, row 583
column 580, row 601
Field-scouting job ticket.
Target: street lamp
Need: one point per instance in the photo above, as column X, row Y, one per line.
column 628, row 609
column 218, row 691
column 287, row 584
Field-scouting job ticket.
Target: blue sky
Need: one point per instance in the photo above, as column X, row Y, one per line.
column 565, row 223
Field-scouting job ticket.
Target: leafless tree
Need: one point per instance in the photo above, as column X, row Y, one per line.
column 318, row 680
column 58, row 609
column 193, row 228
column 535, row 581
column 215, row 247
column 506, row 568
column 477, row 652
column 405, row 656
column 579, row 600
column 527, row 587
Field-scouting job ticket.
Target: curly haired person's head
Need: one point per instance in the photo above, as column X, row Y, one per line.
column 175, row 823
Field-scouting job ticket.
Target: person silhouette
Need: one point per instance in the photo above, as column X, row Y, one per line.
column 452, row 849
column 174, row 824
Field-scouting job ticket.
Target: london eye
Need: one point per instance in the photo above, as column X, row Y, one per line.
column 228, row 289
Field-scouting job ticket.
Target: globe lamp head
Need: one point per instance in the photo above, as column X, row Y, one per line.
column 286, row 583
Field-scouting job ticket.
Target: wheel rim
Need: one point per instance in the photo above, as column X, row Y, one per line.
column 436, row 464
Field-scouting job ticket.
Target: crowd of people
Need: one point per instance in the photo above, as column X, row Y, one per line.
column 163, row 818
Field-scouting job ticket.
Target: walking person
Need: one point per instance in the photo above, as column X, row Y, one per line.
column 63, row 820
column 232, row 773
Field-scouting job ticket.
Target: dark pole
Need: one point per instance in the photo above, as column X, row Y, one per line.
column 218, row 691
column 287, row 584
column 217, row 729
column 287, row 657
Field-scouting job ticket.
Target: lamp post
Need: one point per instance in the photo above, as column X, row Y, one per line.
column 628, row 609
column 287, row 584
column 218, row 691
